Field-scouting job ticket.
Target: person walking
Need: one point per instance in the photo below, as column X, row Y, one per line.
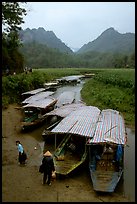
column 22, row 155
column 48, row 167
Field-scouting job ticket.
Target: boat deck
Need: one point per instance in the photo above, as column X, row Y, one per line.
column 65, row 163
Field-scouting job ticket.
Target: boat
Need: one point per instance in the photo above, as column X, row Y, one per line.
column 34, row 112
column 74, row 79
column 31, row 93
column 67, row 97
column 106, row 151
column 51, row 86
column 37, row 97
column 73, row 131
column 56, row 115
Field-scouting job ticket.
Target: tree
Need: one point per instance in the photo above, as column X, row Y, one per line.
column 12, row 18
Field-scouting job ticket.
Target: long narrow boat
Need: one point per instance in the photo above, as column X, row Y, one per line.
column 34, row 113
column 76, row 128
column 31, row 93
column 106, row 151
column 37, row 97
column 56, row 115
column 66, row 97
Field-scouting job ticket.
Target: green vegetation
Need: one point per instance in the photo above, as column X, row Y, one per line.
column 12, row 18
column 113, row 89
column 110, row 88
column 40, row 55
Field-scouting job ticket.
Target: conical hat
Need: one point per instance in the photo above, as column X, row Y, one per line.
column 47, row 153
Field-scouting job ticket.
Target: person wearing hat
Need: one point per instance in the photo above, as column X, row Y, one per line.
column 48, row 167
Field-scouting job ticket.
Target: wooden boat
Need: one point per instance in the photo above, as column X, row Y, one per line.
column 31, row 93
column 51, row 86
column 106, row 151
column 77, row 127
column 70, row 154
column 38, row 96
column 34, row 113
column 70, row 79
column 67, row 97
column 56, row 115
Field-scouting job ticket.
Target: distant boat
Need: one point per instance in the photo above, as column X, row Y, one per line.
column 51, row 86
column 75, row 129
column 37, row 97
column 31, row 93
column 106, row 151
column 74, row 79
column 34, row 112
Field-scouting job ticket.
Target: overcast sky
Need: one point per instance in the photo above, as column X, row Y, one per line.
column 77, row 23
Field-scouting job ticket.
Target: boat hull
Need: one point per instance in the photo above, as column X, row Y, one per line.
column 105, row 181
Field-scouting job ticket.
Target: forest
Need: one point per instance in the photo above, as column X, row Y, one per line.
column 40, row 56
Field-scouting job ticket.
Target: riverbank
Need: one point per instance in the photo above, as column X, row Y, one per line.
column 24, row 184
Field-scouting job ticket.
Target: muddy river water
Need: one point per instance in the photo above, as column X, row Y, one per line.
column 127, row 185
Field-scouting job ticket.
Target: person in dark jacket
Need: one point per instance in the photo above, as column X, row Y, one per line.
column 48, row 167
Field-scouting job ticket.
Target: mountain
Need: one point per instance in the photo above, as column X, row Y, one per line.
column 111, row 41
column 44, row 37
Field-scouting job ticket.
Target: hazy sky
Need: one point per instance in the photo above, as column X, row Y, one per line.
column 77, row 23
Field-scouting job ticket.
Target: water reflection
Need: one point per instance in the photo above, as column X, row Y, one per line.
column 129, row 166
column 75, row 88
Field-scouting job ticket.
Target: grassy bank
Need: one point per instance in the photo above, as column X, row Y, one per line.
column 113, row 88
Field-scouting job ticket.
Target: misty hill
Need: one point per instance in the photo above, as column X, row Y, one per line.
column 44, row 37
column 111, row 41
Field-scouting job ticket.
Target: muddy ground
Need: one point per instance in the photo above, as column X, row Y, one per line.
column 24, row 184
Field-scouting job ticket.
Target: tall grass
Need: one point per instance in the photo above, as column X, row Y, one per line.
column 113, row 89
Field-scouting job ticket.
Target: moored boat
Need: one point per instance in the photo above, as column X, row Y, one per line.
column 106, row 151
column 31, row 93
column 34, row 113
column 76, row 128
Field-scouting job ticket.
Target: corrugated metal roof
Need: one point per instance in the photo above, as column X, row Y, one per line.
column 37, row 97
column 80, row 122
column 71, row 78
column 35, row 91
column 63, row 111
column 67, row 97
column 43, row 103
column 110, row 127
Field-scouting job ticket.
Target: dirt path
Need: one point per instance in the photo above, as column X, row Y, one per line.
column 24, row 184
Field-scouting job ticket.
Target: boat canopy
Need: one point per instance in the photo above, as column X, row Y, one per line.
column 80, row 122
column 37, row 97
column 67, row 97
column 71, row 78
column 43, row 103
column 64, row 111
column 35, row 91
column 110, row 128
